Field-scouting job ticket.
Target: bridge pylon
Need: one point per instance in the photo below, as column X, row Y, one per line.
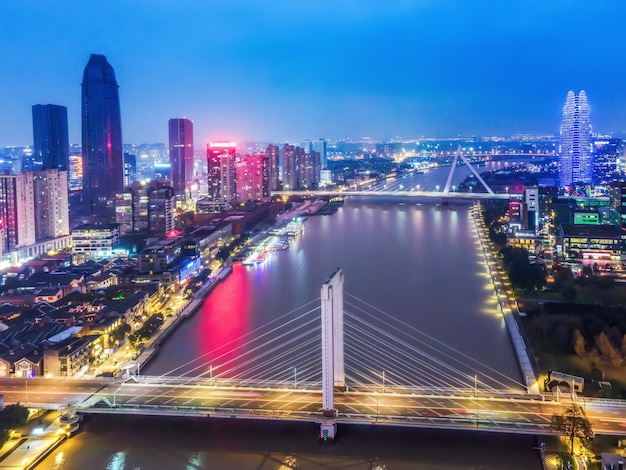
column 457, row 155
column 333, row 369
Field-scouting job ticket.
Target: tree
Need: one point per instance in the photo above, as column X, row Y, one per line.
column 608, row 351
column 573, row 424
column 579, row 343
column 562, row 275
column 569, row 292
column 12, row 417
column 624, row 346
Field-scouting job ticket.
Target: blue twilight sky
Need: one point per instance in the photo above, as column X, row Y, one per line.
column 303, row 69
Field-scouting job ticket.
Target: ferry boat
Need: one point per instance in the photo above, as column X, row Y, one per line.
column 281, row 245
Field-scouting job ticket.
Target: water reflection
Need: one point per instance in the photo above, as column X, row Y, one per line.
column 117, row 462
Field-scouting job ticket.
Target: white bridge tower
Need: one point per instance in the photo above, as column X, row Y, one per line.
column 333, row 369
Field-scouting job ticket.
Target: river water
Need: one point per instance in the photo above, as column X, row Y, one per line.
column 419, row 263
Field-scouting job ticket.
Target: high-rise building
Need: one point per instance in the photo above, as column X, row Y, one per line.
column 617, row 194
column 75, row 177
column 253, row 178
column 222, row 172
column 272, row 153
column 51, row 207
column 301, row 170
column 50, row 137
column 606, row 152
column 124, row 212
column 320, row 146
column 103, row 172
column 17, row 211
column 575, row 152
column 130, row 169
column 181, row 156
column 161, row 210
column 289, row 167
column 147, row 207
column 141, row 205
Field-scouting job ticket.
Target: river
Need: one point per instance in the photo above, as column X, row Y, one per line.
column 417, row 262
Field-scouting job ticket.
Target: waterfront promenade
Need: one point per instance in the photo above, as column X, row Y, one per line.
column 507, row 306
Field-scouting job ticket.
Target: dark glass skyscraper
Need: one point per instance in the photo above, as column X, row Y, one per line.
column 181, row 156
column 50, row 138
column 103, row 165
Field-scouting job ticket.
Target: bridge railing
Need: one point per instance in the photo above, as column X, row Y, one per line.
column 225, row 382
column 446, row 422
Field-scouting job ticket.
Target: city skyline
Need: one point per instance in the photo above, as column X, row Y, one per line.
column 240, row 72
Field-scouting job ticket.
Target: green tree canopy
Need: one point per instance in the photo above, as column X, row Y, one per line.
column 573, row 424
column 12, row 417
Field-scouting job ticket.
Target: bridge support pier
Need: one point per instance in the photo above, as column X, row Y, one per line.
column 333, row 371
column 328, row 429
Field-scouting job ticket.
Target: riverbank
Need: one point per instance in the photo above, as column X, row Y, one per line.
column 39, row 438
column 171, row 323
column 151, row 347
column 508, row 308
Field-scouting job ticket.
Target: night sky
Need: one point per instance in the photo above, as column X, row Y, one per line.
column 277, row 70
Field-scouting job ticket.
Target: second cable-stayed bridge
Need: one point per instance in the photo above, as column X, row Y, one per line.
column 331, row 361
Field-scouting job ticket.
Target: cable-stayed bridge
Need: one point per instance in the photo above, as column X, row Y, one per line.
column 406, row 189
column 333, row 360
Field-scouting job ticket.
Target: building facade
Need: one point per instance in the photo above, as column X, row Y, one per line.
column 320, row 146
column 289, row 167
column 272, row 153
column 130, row 169
column 253, row 178
column 147, row 207
column 103, row 172
column 94, row 241
column 17, row 216
column 222, row 178
column 51, row 206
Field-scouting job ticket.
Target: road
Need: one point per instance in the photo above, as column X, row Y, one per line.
column 485, row 410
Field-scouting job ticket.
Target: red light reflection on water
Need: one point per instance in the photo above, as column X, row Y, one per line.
column 225, row 319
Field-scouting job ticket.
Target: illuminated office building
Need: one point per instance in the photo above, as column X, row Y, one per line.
column 181, row 156
column 575, row 151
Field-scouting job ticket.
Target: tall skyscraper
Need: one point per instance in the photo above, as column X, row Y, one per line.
column 103, row 167
column 50, row 138
column 181, row 156
column 575, row 151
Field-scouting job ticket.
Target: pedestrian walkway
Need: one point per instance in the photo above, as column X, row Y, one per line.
column 39, row 437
